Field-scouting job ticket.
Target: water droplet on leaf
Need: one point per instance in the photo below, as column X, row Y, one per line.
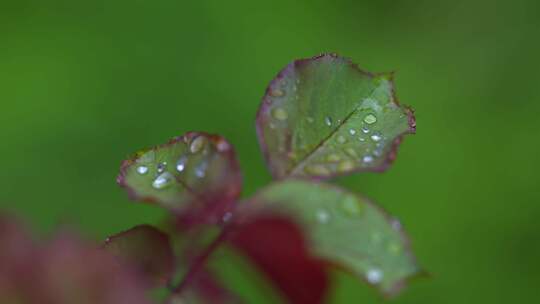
column 352, row 132
column 181, row 164
column 328, row 121
column 161, row 167
column 142, row 170
column 163, row 180
column 200, row 170
column 276, row 92
column 370, row 119
column 322, row 216
column 279, row 114
column 341, row 139
column 376, row 137
column 367, row 159
column 365, row 129
column 374, row 275
column 197, row 144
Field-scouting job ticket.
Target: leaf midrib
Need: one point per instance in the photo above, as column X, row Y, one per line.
column 325, row 139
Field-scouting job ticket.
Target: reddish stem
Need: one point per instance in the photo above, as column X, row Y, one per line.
column 199, row 262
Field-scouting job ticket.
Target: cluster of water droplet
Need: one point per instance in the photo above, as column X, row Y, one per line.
column 369, row 145
column 348, row 159
column 278, row 113
column 164, row 178
column 351, row 207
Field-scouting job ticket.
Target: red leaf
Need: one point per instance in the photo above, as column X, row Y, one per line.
column 277, row 246
column 64, row 271
column 74, row 272
column 147, row 249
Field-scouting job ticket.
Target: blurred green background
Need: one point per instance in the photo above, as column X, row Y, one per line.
column 85, row 83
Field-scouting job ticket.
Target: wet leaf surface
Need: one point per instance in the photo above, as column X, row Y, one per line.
column 324, row 116
column 196, row 173
column 346, row 230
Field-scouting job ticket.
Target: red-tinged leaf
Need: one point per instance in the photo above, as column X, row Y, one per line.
column 15, row 242
column 147, row 249
column 344, row 229
column 65, row 271
column 277, row 246
column 195, row 174
column 74, row 272
column 17, row 252
column 324, row 116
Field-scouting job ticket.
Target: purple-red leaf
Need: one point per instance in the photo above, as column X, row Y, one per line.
column 64, row 271
column 73, row 272
column 277, row 246
column 16, row 270
column 147, row 249
column 196, row 174
column 324, row 116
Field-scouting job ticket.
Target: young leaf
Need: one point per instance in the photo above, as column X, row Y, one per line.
column 190, row 172
column 324, row 116
column 147, row 249
column 345, row 229
column 277, row 246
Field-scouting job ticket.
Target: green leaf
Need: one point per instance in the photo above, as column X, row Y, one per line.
column 147, row 249
column 324, row 116
column 345, row 229
column 189, row 172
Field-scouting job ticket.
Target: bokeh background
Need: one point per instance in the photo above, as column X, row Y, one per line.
column 85, row 83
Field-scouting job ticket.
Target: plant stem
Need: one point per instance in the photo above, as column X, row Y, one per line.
column 199, row 262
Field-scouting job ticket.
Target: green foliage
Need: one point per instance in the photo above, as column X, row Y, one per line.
column 188, row 171
column 324, row 116
column 345, row 229
column 320, row 117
